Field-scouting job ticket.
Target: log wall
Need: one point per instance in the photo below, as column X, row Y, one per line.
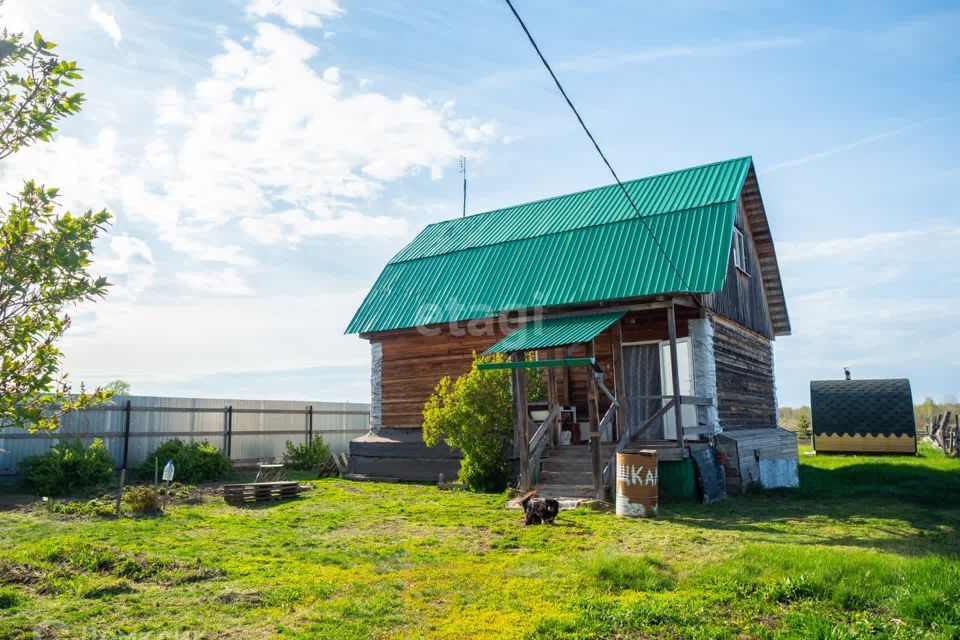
column 746, row 392
column 413, row 364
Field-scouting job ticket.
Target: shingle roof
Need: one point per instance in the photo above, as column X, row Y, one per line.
column 865, row 407
column 581, row 247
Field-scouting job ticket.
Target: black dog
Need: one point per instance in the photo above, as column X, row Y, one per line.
column 539, row 510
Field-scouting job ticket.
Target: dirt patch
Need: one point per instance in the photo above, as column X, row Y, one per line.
column 347, row 488
column 252, row 598
column 17, row 573
column 68, row 562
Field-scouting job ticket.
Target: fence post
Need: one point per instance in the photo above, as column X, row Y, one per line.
column 126, row 433
column 227, row 429
column 310, row 425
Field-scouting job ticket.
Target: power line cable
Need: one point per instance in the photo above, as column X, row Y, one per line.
column 597, row 146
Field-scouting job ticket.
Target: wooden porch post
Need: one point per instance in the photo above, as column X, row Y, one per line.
column 675, row 373
column 521, row 436
column 552, row 401
column 619, row 387
column 594, row 411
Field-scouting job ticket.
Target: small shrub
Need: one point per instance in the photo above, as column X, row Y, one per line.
column 803, row 426
column 474, row 414
column 193, row 462
column 141, row 500
column 103, row 507
column 66, row 468
column 307, row 457
column 10, row 599
column 791, row 589
column 178, row 491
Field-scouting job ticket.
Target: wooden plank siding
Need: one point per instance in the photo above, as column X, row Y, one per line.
column 746, row 393
column 743, row 298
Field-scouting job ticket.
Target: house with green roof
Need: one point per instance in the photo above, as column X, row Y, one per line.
column 655, row 303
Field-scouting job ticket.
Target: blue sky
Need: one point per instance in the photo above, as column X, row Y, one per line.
column 265, row 158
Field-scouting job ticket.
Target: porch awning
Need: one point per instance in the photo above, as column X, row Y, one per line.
column 554, row 332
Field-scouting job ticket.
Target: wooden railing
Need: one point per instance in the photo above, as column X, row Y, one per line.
column 541, row 436
column 631, row 431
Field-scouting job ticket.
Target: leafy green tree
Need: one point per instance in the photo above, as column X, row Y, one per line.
column 474, row 414
column 44, row 253
column 35, row 91
column 118, row 387
column 803, row 425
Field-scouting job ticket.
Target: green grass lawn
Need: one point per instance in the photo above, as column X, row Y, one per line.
column 868, row 547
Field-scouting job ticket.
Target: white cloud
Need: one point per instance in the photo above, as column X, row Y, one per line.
column 225, row 282
column 106, row 22
column 267, row 146
column 85, row 172
column 185, row 338
column 263, row 149
column 128, row 264
column 270, row 143
column 845, row 326
column 332, row 75
column 842, row 249
column 290, row 227
column 296, row 13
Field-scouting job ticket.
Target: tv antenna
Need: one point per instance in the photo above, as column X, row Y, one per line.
column 463, row 170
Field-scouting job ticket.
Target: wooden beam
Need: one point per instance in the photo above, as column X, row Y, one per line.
column 569, row 312
column 524, row 417
column 521, row 442
column 619, row 386
column 594, row 411
column 675, row 373
column 537, row 364
column 553, row 404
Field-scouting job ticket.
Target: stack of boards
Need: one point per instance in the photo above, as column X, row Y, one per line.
column 259, row 492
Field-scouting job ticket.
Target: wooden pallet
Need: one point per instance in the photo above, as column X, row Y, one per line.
column 259, row 492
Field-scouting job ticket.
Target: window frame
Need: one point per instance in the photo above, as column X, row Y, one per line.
column 739, row 251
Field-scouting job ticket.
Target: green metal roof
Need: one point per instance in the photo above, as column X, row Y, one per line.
column 687, row 189
column 554, row 332
column 582, row 247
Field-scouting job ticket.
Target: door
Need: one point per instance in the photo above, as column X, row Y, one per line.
column 641, row 378
column 688, row 412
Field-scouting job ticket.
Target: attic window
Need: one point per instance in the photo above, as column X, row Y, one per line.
column 739, row 258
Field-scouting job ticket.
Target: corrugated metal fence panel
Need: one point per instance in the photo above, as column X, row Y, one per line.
column 604, row 262
column 257, row 434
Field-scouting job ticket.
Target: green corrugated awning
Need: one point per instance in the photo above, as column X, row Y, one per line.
column 554, row 332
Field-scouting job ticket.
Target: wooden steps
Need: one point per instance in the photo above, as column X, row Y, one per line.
column 560, row 491
column 567, row 472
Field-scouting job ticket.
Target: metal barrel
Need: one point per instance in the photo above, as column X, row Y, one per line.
column 637, row 483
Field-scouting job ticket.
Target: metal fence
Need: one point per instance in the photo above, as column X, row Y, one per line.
column 248, row 431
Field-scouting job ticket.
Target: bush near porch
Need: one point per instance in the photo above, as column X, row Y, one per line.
column 867, row 548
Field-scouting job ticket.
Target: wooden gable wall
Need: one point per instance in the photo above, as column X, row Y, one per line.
column 743, row 298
